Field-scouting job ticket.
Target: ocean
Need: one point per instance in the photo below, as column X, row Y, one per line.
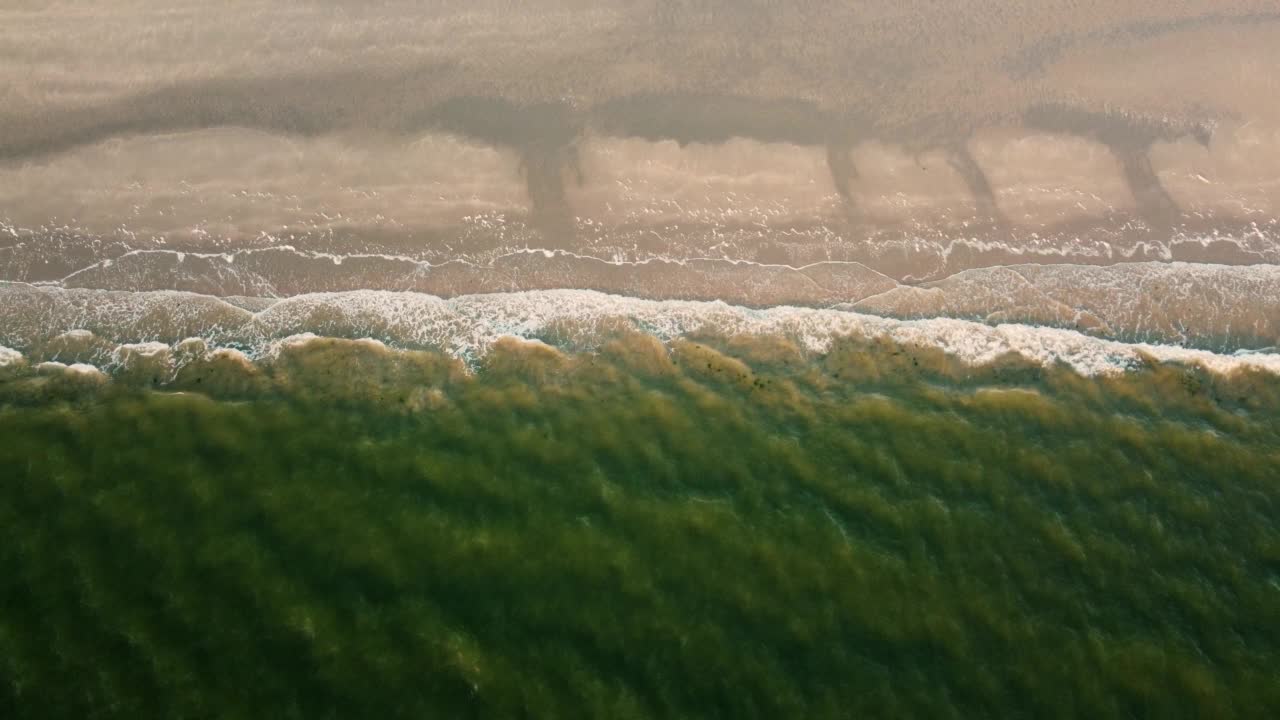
column 728, row 526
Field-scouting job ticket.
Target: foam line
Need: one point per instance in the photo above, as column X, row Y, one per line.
column 468, row 326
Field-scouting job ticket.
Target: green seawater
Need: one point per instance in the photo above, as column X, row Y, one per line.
column 730, row 529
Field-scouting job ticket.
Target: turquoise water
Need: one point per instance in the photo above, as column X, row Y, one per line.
column 730, row 528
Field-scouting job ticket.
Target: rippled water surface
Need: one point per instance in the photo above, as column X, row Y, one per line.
column 641, row 531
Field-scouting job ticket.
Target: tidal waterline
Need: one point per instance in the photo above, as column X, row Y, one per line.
column 722, row 526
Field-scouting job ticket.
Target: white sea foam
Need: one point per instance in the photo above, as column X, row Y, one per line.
column 468, row 326
column 146, row 349
column 10, row 357
column 83, row 370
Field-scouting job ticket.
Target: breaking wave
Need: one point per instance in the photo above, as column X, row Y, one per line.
column 106, row 328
